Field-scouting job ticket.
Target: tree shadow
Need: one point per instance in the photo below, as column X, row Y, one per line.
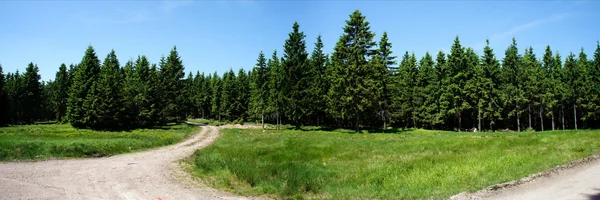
column 595, row 196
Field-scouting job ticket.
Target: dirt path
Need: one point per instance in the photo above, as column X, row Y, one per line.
column 144, row 175
column 573, row 181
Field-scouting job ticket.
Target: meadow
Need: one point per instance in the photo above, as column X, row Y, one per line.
column 47, row 141
column 414, row 164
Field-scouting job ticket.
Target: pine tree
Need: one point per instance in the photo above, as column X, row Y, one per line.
column 111, row 106
column 443, row 97
column 258, row 89
column 352, row 79
column 513, row 79
column 384, row 61
column 228, row 95
column 61, row 92
column 492, row 83
column 216, row 96
column 475, row 90
column 426, row 86
column 296, row 75
column 147, row 99
column 172, row 87
column 406, row 98
column 32, row 96
column 15, row 91
column 242, row 97
column 130, row 90
column 275, row 86
column 206, row 94
column 458, row 72
column 4, row 111
column 82, row 92
column 593, row 106
column 317, row 84
column 197, row 96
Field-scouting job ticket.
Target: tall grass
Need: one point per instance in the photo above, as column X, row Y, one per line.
column 34, row 142
column 417, row 164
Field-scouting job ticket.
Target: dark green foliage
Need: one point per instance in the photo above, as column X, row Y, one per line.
column 228, row 95
column 4, row 105
column 491, row 83
column 297, row 76
column 82, row 94
column 110, row 106
column 459, row 74
column 383, row 62
column 275, row 86
column 352, row 78
column 61, row 93
column 242, row 97
column 259, row 88
column 172, row 87
column 513, row 74
column 32, row 97
column 405, row 99
column 216, row 96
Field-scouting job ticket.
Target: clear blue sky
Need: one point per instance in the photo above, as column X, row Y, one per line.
column 219, row 35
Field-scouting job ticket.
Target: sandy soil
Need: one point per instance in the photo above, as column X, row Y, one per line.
column 154, row 174
column 576, row 180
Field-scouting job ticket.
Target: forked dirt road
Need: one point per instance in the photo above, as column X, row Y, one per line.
column 153, row 174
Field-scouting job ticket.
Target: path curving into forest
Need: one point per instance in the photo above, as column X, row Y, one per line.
column 154, row 174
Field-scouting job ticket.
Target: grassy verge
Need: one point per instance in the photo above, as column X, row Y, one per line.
column 36, row 142
column 417, row 164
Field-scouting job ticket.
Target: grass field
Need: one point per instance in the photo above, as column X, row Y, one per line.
column 36, row 142
column 418, row 164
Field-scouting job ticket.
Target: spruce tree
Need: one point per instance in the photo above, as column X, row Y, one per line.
column 384, row 61
column 443, row 96
column 352, row 78
column 172, row 87
column 492, row 83
column 275, row 86
column 317, row 85
column 258, row 89
column 426, row 91
column 111, row 106
column 513, row 83
column 82, row 92
column 61, row 92
column 228, row 95
column 459, row 75
column 32, row 94
column 216, row 96
column 550, row 85
column 4, row 111
column 242, row 86
column 593, row 106
column 297, row 76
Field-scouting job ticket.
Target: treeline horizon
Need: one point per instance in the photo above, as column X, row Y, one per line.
column 360, row 85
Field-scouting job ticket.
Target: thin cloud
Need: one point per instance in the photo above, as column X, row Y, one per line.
column 119, row 17
column 517, row 29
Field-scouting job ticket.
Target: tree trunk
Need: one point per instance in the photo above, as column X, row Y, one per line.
column 262, row 120
column 357, row 127
column 562, row 116
column 278, row 120
column 518, row 120
column 479, row 118
column 459, row 122
column 552, row 112
column 575, row 115
column 541, row 118
column 529, row 112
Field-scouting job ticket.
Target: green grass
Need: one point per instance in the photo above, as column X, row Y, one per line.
column 38, row 142
column 418, row 164
column 207, row 122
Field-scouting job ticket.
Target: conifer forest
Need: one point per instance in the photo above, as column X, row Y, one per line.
column 362, row 84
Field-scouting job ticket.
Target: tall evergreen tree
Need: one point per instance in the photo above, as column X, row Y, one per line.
column 491, row 82
column 228, row 95
column 111, row 106
column 242, row 86
column 216, row 96
column 82, row 92
column 532, row 84
column 316, row 82
column 458, row 72
column 275, row 86
column 4, row 111
column 32, row 94
column 61, row 92
column 513, row 79
column 258, row 89
column 475, row 91
column 297, row 75
column 426, row 86
column 406, row 98
column 172, row 87
column 352, row 79
column 384, row 61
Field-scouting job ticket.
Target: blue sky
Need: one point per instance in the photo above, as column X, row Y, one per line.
column 219, row 35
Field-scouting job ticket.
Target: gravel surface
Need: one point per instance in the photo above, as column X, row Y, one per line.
column 154, row 174
column 576, row 180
